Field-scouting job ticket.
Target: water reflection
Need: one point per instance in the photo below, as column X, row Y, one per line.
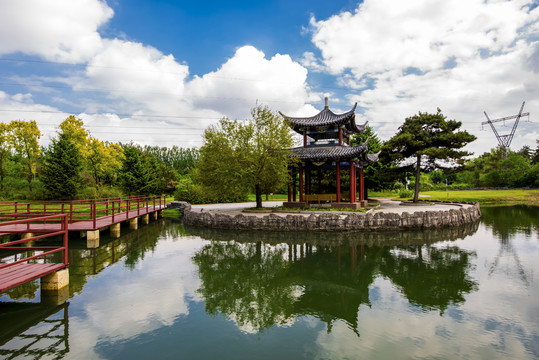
column 259, row 285
column 505, row 222
column 34, row 330
column 201, row 293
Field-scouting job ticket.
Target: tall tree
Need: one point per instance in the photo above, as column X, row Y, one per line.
column 5, row 151
column 246, row 156
column 377, row 174
column 25, row 136
column 74, row 129
column 428, row 141
column 61, row 171
column 133, row 175
column 103, row 161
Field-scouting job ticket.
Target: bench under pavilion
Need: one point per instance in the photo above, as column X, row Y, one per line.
column 326, row 148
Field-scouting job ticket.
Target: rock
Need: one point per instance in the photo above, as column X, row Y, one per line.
column 179, row 205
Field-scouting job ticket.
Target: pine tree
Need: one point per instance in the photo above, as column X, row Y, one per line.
column 134, row 178
column 61, row 172
column 430, row 141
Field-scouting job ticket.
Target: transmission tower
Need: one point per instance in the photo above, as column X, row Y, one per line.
column 505, row 140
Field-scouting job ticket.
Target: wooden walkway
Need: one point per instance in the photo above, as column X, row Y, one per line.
column 23, row 270
column 22, row 273
column 87, row 215
column 81, row 225
column 38, row 220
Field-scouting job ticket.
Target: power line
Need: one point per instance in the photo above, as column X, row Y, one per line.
column 208, row 75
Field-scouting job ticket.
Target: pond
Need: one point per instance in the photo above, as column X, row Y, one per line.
column 169, row 291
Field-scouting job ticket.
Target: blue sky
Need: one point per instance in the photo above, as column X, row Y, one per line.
column 159, row 72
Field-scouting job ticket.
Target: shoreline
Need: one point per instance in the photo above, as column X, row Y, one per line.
column 389, row 215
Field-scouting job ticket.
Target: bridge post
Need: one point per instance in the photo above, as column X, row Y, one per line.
column 92, row 239
column 133, row 223
column 115, row 230
column 154, row 215
column 146, row 219
column 26, row 235
column 56, row 280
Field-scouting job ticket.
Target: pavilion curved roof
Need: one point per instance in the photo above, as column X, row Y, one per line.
column 324, row 120
column 324, row 153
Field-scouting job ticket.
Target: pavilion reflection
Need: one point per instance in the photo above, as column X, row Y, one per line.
column 263, row 279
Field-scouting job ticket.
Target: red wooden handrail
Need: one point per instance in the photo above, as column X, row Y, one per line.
column 79, row 210
column 46, row 234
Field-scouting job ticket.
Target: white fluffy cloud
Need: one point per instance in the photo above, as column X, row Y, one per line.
column 59, row 30
column 121, row 82
column 464, row 56
column 249, row 77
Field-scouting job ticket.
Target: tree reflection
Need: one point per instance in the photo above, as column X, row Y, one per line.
column 247, row 282
column 336, row 282
column 259, row 285
column 430, row 277
column 506, row 221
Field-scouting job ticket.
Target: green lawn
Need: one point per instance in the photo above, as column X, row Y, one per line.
column 274, row 197
column 516, row 196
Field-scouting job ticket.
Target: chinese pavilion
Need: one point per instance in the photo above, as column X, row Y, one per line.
column 326, row 148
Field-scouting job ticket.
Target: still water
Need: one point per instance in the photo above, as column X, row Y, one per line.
column 169, row 291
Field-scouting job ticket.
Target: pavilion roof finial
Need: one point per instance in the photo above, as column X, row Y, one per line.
column 327, row 102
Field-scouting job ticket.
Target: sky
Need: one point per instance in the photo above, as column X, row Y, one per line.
column 160, row 72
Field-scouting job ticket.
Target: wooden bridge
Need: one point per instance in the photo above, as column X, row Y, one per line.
column 83, row 215
column 19, row 269
column 52, row 218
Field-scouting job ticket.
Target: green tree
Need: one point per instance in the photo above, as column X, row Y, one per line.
column 25, row 136
column 378, row 174
column 103, row 161
column 74, row 129
column 242, row 156
column 133, row 175
column 429, row 141
column 535, row 158
column 61, row 171
column 5, row 151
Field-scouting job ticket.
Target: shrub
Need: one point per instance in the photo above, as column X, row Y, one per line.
column 403, row 193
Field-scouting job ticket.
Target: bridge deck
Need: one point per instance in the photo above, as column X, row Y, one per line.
column 11, row 276
column 82, row 225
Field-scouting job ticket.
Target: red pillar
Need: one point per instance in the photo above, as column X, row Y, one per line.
column 289, row 189
column 338, row 181
column 294, row 185
column 340, row 136
column 352, row 182
column 361, row 185
column 300, row 182
column 304, row 139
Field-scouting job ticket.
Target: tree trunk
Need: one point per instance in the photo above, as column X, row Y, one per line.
column 258, row 194
column 417, row 174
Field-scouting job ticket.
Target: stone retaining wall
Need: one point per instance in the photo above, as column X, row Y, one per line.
column 332, row 221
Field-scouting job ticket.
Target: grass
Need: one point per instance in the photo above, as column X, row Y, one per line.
column 272, row 197
column 172, row 213
column 309, row 209
column 513, row 196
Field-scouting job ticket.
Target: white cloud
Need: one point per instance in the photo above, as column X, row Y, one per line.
column 22, row 107
column 59, row 30
column 463, row 56
column 249, row 77
column 140, row 74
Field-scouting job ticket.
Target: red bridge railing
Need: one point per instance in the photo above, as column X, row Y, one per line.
column 82, row 210
column 26, row 226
